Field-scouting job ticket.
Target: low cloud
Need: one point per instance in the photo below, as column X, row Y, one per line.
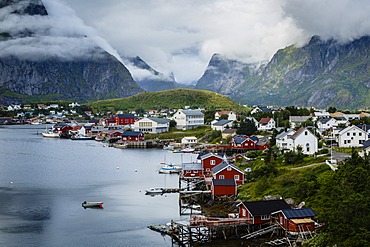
column 59, row 34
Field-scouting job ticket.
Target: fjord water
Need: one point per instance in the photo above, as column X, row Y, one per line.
column 44, row 181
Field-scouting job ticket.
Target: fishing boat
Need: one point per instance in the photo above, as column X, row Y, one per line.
column 49, row 133
column 153, row 191
column 86, row 204
column 170, row 168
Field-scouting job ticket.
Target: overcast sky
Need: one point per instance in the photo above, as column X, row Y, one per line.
column 180, row 36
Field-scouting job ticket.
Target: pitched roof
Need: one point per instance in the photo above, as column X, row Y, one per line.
column 265, row 207
column 192, row 112
column 265, row 120
column 223, row 182
column 131, row 133
column 192, row 167
column 223, row 166
column 324, row 120
column 229, row 131
column 207, row 155
column 159, row 120
column 349, row 128
column 222, row 122
column 366, row 144
column 298, row 213
column 128, row 115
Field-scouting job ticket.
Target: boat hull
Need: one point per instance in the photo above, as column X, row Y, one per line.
column 86, row 204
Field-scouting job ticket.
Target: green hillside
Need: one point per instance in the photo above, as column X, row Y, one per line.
column 174, row 98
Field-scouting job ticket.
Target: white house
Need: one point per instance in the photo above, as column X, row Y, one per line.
column 303, row 138
column 306, row 140
column 284, row 140
column 320, row 114
column 230, row 115
column 188, row 140
column 222, row 125
column 324, row 124
column 352, row 136
column 152, row 125
column 188, row 119
column 266, row 124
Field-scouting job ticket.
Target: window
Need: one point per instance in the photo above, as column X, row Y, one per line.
column 236, row 177
column 354, row 133
column 306, row 133
column 347, row 134
column 244, row 212
column 221, row 177
column 213, row 162
column 265, row 217
column 229, row 168
column 360, row 134
column 207, row 170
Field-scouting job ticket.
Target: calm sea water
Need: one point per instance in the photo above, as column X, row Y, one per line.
column 44, row 181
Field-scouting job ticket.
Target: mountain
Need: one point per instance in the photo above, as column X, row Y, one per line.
column 148, row 78
column 43, row 58
column 321, row 74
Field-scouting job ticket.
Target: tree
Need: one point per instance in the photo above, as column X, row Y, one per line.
column 246, row 127
column 332, row 109
column 343, row 204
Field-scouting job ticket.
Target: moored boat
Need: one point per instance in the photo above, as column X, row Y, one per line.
column 86, row 204
column 153, row 191
column 81, row 137
column 50, row 134
column 187, row 150
column 170, row 168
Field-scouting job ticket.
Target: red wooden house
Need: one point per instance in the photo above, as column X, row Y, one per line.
column 226, row 170
column 124, row 119
column 110, row 121
column 244, row 142
column 133, row 136
column 259, row 212
column 192, row 170
column 296, row 221
column 209, row 161
column 223, row 187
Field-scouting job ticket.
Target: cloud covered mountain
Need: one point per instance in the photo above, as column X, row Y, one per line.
column 148, row 78
column 46, row 51
column 320, row 73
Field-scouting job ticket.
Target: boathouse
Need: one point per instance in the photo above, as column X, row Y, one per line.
column 223, row 187
column 260, row 211
column 296, row 221
column 225, row 170
column 192, row 170
column 133, row 136
column 244, row 142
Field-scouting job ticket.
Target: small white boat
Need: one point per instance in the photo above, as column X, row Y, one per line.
column 50, row 134
column 187, row 150
column 170, row 168
column 86, row 204
column 153, row 191
column 81, row 137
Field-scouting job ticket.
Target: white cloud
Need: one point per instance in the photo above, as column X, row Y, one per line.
column 180, row 36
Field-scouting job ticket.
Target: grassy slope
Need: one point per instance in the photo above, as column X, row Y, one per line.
column 174, row 98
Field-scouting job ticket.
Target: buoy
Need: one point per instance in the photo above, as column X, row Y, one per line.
column 117, row 167
column 135, row 170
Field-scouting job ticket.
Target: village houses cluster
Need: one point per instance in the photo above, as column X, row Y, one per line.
column 335, row 127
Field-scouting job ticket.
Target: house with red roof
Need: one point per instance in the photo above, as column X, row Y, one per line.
column 266, row 124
